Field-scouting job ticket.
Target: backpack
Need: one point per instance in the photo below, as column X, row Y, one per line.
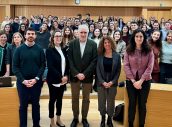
column 119, row 113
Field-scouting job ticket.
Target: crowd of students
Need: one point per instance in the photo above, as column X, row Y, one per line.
column 145, row 49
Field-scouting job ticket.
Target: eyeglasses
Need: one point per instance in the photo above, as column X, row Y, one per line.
column 58, row 36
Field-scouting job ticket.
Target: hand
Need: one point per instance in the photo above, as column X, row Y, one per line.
column 110, row 84
column 80, row 76
column 64, row 79
column 27, row 83
column 105, row 84
column 31, row 82
column 138, row 84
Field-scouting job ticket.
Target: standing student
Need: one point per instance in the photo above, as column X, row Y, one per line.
column 8, row 31
column 108, row 71
column 166, row 59
column 138, row 66
column 156, row 45
column 120, row 44
column 82, row 56
column 96, row 36
column 43, row 40
column 57, row 76
column 3, row 52
column 17, row 40
column 28, row 66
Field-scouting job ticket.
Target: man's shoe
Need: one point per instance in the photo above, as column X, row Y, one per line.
column 85, row 123
column 74, row 123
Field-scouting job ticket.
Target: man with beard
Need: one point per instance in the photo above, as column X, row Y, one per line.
column 28, row 66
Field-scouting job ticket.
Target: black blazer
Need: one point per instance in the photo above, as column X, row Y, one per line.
column 116, row 69
column 54, row 75
column 86, row 64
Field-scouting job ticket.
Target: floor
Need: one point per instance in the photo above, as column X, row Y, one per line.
column 93, row 115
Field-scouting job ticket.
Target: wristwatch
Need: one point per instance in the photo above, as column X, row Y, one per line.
column 37, row 78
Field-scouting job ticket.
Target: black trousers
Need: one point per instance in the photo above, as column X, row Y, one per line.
column 56, row 96
column 141, row 96
column 26, row 96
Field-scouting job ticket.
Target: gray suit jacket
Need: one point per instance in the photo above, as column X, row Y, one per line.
column 86, row 64
column 116, row 69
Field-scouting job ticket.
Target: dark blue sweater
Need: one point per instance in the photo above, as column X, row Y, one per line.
column 28, row 62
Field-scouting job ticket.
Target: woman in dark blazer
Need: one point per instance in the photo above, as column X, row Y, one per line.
column 108, row 71
column 57, row 76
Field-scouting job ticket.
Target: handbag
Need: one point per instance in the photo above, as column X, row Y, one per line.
column 119, row 113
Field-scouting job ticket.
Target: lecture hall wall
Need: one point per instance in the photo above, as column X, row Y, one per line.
column 122, row 8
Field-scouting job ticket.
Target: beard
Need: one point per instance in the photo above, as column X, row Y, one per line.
column 30, row 39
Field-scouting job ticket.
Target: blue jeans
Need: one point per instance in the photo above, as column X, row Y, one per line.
column 31, row 95
column 165, row 72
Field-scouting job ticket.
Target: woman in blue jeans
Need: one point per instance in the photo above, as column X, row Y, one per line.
column 166, row 60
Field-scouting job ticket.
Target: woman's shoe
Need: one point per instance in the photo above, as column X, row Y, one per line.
column 109, row 122
column 102, row 124
column 59, row 125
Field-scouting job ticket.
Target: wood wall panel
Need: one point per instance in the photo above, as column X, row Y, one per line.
column 115, row 3
column 2, row 13
column 159, row 13
column 158, row 107
column 126, row 13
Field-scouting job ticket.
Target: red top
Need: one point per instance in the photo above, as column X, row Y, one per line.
column 138, row 62
column 156, row 52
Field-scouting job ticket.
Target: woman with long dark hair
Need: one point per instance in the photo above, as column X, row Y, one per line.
column 108, row 71
column 67, row 35
column 96, row 36
column 138, row 66
column 156, row 45
column 8, row 31
column 22, row 29
column 120, row 44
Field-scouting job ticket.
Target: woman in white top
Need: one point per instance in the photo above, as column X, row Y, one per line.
column 120, row 44
column 57, row 76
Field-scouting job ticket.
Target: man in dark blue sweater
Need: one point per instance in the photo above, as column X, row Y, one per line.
column 28, row 66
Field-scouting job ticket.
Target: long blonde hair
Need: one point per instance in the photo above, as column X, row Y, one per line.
column 19, row 35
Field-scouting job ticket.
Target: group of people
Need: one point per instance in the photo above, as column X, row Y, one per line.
column 55, row 55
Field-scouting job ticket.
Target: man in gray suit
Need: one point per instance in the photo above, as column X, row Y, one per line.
column 82, row 55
